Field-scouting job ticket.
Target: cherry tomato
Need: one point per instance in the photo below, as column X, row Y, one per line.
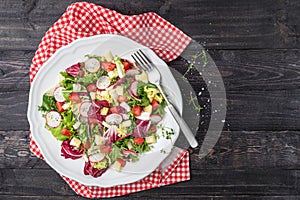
column 121, row 161
column 105, row 149
column 108, row 66
column 75, row 98
column 126, row 64
column 66, row 132
column 138, row 141
column 155, row 105
column 91, row 87
column 137, row 110
column 59, row 106
column 122, row 98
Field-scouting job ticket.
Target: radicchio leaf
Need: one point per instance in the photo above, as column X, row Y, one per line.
column 126, row 153
column 142, row 129
column 75, row 70
column 90, row 170
column 69, row 151
column 111, row 134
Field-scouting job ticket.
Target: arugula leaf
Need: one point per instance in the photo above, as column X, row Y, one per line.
column 101, row 165
column 123, row 145
column 99, row 58
column 115, row 153
column 68, row 81
column 89, row 78
column 68, row 120
column 82, row 133
column 48, row 103
column 160, row 111
column 56, row 132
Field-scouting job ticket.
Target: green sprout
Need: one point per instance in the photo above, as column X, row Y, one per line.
column 203, row 57
column 192, row 101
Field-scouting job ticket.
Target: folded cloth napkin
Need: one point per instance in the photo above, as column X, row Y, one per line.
column 86, row 19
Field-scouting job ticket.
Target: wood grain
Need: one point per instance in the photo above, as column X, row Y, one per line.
column 255, row 45
column 27, row 182
column 219, row 24
column 235, row 150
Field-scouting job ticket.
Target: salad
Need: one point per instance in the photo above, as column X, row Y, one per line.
column 103, row 110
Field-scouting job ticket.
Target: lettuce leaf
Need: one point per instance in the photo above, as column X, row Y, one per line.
column 48, row 103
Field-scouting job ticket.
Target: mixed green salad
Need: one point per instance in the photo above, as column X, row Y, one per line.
column 105, row 110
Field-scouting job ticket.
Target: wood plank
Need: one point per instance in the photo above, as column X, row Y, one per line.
column 234, row 150
column 255, row 89
column 216, row 24
column 243, row 70
column 247, row 110
column 265, row 182
column 240, row 69
column 155, row 197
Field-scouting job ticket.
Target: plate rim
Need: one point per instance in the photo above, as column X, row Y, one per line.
column 47, row 65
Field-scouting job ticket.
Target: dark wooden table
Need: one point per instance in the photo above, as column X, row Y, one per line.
column 255, row 45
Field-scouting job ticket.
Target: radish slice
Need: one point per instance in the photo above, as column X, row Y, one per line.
column 127, row 123
column 97, row 157
column 125, row 106
column 130, row 93
column 142, row 77
column 133, row 88
column 92, row 65
column 132, row 72
column 84, row 108
column 58, row 95
column 113, row 119
column 103, row 82
column 155, row 119
column 144, row 116
column 53, row 119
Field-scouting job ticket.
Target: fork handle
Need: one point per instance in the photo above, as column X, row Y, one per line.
column 183, row 126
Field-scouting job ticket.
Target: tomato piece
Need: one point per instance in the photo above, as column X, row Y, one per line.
column 93, row 120
column 152, row 128
column 59, row 106
column 155, row 105
column 87, row 144
column 138, row 141
column 117, row 110
column 75, row 98
column 66, row 132
column 91, row 87
column 108, row 66
column 105, row 149
column 137, row 110
column 122, row 98
column 126, row 64
column 121, row 161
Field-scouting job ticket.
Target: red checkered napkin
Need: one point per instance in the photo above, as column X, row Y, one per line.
column 86, row 19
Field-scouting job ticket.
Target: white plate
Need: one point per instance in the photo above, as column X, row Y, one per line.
column 47, row 77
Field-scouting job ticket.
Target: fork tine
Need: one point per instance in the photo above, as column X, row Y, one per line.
column 137, row 60
column 146, row 62
column 144, row 56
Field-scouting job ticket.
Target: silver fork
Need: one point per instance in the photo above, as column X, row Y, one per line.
column 154, row 76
